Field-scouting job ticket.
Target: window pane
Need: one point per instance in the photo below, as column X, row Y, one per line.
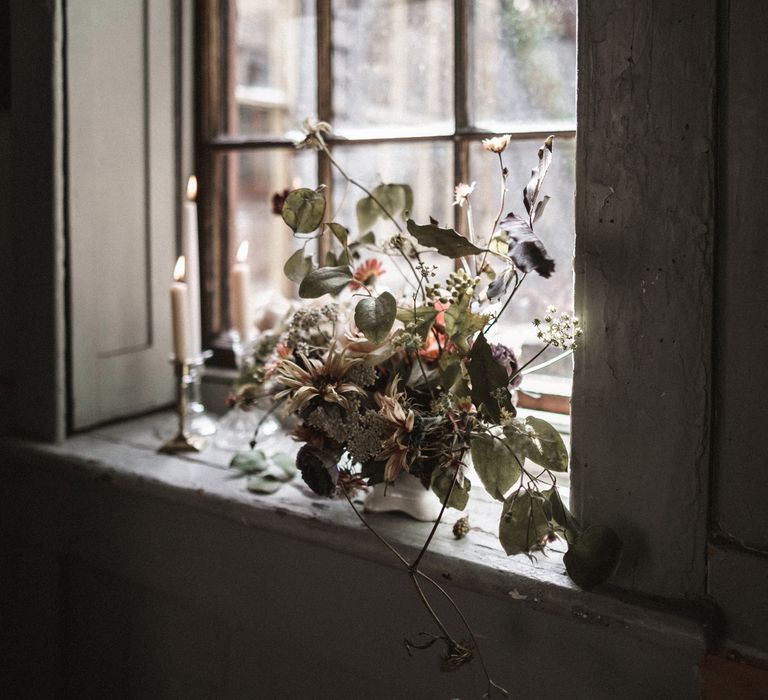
column 273, row 79
column 257, row 176
column 556, row 229
column 393, row 65
column 523, row 64
column 426, row 167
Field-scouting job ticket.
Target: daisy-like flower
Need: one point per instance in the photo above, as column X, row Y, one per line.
column 323, row 379
column 367, row 273
column 461, row 193
column 497, row 144
column 280, row 353
column 399, row 420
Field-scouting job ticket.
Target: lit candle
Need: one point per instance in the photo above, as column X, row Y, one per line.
column 241, row 298
column 190, row 250
column 180, row 311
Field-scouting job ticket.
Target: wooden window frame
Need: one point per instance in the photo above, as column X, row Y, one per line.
column 213, row 57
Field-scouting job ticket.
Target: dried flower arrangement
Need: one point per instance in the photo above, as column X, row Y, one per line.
column 379, row 384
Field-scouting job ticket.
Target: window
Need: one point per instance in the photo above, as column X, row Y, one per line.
column 411, row 87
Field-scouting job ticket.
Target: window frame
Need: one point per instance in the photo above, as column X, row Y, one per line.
column 214, row 53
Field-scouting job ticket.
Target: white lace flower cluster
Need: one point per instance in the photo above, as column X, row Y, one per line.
column 560, row 331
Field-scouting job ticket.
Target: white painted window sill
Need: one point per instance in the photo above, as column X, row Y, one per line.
column 125, row 454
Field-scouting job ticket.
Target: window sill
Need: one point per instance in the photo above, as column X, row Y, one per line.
column 125, row 455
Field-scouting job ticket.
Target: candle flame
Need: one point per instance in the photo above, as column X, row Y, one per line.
column 180, row 269
column 192, row 188
column 242, row 252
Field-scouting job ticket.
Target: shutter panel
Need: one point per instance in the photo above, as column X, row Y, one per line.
column 122, row 199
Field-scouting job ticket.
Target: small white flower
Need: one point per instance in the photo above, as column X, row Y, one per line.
column 497, row 144
column 461, row 193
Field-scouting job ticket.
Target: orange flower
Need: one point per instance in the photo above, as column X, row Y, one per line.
column 367, row 273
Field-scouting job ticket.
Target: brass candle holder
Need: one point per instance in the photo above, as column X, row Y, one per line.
column 183, row 441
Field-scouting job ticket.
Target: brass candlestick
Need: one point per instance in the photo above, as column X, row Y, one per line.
column 183, row 441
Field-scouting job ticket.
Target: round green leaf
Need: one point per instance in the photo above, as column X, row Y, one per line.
column 303, row 210
column 298, row 266
column 263, row 484
column 375, row 316
column 326, row 280
column 547, row 448
column 341, row 233
column 250, row 461
column 441, row 485
column 593, row 557
column 523, row 523
column 495, row 464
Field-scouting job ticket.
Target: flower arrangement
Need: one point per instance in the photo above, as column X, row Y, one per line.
column 379, row 383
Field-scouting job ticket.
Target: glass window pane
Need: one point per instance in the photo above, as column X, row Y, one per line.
column 556, row 229
column 393, row 66
column 273, row 82
column 256, row 177
column 523, row 64
column 425, row 166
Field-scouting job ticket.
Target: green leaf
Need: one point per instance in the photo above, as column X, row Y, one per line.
column 593, row 557
column 367, row 213
column 547, row 448
column 250, row 462
column 422, row 318
column 330, row 259
column 375, row 316
column 263, row 484
column 298, row 266
column 303, row 210
column 441, row 485
column 446, row 240
column 562, row 519
column 326, row 280
column 461, row 323
column 523, row 523
column 489, row 380
column 495, row 464
column 342, row 235
column 286, row 463
column 366, row 239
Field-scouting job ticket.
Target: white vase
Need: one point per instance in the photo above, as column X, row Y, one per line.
column 406, row 495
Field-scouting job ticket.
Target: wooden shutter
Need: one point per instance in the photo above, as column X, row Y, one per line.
column 122, row 203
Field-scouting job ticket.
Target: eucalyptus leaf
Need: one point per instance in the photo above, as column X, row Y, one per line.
column 264, row 484
column 250, row 461
column 540, row 208
column 286, row 463
column 367, row 213
column 525, row 248
column 489, row 380
column 303, row 210
column 374, row 316
column 533, row 188
column 523, row 524
column 495, row 464
column 298, row 266
column 446, row 240
column 441, row 485
column 501, row 284
column 325, row 280
column 593, row 557
column 330, row 259
column 547, row 448
column 341, row 233
column 562, row 519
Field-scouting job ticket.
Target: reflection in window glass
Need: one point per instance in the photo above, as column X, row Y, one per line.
column 393, row 65
column 256, row 176
column 523, row 64
column 274, row 67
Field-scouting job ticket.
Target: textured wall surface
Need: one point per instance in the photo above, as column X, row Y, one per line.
column 643, row 283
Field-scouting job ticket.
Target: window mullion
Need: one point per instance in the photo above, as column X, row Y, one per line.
column 324, row 13
column 460, row 106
